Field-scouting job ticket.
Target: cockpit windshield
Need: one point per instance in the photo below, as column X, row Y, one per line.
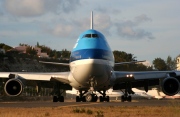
column 91, row 35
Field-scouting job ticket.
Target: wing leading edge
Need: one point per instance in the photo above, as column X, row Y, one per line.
column 15, row 81
column 60, row 76
column 167, row 80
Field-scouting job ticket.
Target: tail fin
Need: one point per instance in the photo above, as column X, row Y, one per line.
column 91, row 27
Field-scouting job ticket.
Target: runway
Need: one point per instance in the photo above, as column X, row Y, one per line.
column 36, row 104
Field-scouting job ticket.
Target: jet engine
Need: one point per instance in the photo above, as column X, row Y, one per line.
column 13, row 87
column 170, row 86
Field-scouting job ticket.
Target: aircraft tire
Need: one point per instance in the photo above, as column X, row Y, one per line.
column 122, row 99
column 129, row 98
column 107, row 98
column 61, row 98
column 55, row 99
column 77, row 99
column 101, row 99
column 89, row 98
column 84, row 99
column 95, row 98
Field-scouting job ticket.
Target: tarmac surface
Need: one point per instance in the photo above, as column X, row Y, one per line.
column 36, row 104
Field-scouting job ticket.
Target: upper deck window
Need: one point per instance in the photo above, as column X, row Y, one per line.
column 91, row 35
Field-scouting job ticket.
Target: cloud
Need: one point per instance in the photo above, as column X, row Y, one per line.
column 29, row 8
column 129, row 28
column 103, row 23
column 1, row 13
column 15, row 33
column 107, row 11
column 25, row 7
column 142, row 18
column 69, row 5
column 60, row 30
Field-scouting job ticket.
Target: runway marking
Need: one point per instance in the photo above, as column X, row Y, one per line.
column 79, row 105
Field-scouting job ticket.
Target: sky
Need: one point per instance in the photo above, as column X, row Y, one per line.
column 148, row 29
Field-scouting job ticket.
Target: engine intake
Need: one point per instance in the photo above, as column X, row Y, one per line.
column 13, row 87
column 170, row 86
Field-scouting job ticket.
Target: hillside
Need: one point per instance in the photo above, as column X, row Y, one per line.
column 16, row 64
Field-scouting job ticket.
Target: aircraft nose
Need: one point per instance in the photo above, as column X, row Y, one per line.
column 91, row 69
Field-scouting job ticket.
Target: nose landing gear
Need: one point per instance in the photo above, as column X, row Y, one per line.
column 91, row 98
column 88, row 98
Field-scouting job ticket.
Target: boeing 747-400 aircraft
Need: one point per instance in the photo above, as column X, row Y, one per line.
column 91, row 69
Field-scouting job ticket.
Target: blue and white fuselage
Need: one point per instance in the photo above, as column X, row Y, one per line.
column 91, row 62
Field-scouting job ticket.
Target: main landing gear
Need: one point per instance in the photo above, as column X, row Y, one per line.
column 58, row 98
column 126, row 96
column 103, row 97
column 57, row 93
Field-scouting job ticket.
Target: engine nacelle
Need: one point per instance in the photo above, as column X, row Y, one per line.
column 13, row 87
column 170, row 86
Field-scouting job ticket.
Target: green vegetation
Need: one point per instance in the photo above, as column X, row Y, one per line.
column 160, row 64
column 5, row 47
column 63, row 56
column 121, row 56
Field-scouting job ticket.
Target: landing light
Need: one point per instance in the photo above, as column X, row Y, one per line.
column 129, row 75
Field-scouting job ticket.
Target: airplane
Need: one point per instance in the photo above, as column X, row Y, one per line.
column 92, row 69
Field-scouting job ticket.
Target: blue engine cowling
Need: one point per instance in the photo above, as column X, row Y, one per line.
column 170, row 86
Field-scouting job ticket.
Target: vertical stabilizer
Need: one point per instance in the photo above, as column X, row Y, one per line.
column 91, row 27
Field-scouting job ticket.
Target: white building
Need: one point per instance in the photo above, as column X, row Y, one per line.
column 22, row 49
column 178, row 63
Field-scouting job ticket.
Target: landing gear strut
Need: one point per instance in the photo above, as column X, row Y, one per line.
column 57, row 93
column 103, row 97
column 126, row 96
column 81, row 96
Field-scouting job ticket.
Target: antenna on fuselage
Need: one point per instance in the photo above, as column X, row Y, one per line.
column 91, row 27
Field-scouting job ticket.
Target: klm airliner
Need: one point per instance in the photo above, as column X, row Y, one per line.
column 91, row 70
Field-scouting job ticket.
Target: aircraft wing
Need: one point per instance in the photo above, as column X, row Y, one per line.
column 141, row 75
column 147, row 78
column 33, row 76
column 121, row 63
column 55, row 63
column 13, row 82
